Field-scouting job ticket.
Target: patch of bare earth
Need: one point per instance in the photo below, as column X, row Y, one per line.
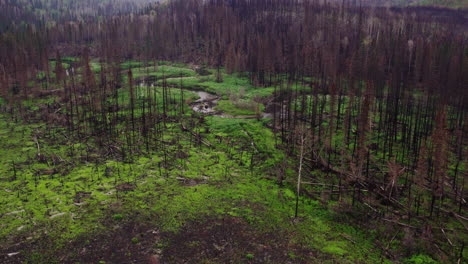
column 220, row 240
column 231, row 240
column 130, row 243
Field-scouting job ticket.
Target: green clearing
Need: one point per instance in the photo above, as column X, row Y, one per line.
column 162, row 72
column 56, row 189
column 41, row 198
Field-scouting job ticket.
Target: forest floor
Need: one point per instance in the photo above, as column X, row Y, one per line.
column 214, row 200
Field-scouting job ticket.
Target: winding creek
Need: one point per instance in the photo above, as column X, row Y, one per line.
column 207, row 103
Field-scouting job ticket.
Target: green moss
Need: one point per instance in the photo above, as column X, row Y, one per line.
column 117, row 217
column 227, row 177
column 162, row 72
column 242, row 108
column 131, row 64
column 334, row 250
column 233, row 87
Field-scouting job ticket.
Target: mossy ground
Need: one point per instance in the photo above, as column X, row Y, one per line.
column 40, row 202
column 63, row 202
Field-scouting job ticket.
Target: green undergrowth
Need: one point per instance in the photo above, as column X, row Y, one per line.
column 239, row 96
column 419, row 259
column 161, row 72
column 66, row 199
column 56, row 186
column 240, row 108
column 69, row 195
column 232, row 86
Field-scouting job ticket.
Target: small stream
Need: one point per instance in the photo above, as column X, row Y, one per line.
column 207, row 102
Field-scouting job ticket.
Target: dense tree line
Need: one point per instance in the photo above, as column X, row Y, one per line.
column 377, row 95
column 16, row 14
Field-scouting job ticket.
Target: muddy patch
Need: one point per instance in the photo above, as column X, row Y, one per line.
column 131, row 243
column 213, row 240
column 206, row 103
column 230, row 240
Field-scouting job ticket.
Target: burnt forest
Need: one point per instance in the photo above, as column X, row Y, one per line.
column 233, row 131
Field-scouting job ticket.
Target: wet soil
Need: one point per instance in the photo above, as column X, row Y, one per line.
column 231, row 240
column 211, row 240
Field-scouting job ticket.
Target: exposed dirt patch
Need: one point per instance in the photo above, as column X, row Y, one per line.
column 80, row 196
column 230, row 240
column 226, row 240
column 191, row 182
column 125, row 187
column 131, row 243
